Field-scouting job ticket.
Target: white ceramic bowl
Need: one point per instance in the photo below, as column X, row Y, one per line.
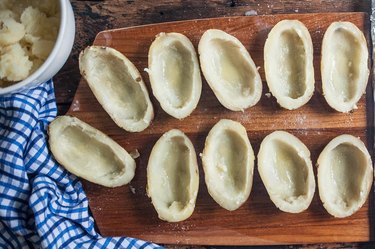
column 57, row 57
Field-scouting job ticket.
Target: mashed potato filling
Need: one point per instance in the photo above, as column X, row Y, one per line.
column 28, row 31
column 12, row 68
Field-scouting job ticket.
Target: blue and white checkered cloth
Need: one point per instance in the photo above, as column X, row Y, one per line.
column 41, row 204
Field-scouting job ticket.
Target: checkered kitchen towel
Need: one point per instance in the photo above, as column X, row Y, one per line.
column 41, row 204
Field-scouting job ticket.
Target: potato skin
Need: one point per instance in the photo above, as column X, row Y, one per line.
column 173, row 176
column 89, row 153
column 225, row 141
column 121, row 90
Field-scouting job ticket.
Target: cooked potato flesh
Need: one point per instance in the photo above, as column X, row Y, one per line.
column 118, row 86
column 347, row 171
column 174, row 177
column 345, row 61
column 231, row 66
column 229, row 157
column 288, row 171
column 89, row 154
column 290, row 64
column 177, row 68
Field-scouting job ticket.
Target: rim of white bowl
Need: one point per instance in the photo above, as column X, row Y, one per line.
column 31, row 78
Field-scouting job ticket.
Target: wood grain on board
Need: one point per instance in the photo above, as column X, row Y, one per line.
column 128, row 211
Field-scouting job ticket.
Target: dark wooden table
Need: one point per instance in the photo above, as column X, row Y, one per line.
column 94, row 16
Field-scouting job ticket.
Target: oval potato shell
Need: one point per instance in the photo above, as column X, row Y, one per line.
column 118, row 87
column 174, row 73
column 228, row 163
column 344, row 66
column 285, row 168
column 172, row 176
column 229, row 70
column 88, row 153
column 288, row 64
column 345, row 175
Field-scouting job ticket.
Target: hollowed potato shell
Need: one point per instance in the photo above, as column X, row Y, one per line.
column 345, row 175
column 174, row 74
column 344, row 66
column 285, row 168
column 172, row 176
column 288, row 64
column 89, row 153
column 118, row 86
column 228, row 163
column 229, row 70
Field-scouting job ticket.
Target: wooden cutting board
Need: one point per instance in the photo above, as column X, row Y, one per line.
column 127, row 211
